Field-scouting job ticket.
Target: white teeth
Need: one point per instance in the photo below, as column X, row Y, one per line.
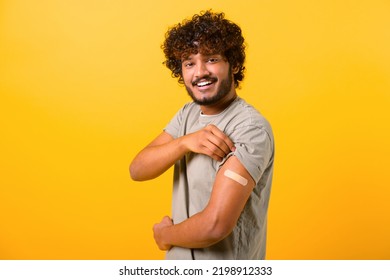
column 202, row 84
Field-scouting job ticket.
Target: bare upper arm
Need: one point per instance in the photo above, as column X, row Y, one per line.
column 229, row 195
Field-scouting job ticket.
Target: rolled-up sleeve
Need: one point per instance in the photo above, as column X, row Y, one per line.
column 254, row 149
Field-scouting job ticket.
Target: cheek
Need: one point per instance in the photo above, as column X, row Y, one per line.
column 221, row 72
column 187, row 76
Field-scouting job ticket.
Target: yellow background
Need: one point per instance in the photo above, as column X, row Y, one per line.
column 83, row 89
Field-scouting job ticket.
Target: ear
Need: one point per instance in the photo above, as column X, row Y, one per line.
column 235, row 70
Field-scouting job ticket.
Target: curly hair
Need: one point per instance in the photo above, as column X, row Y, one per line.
column 206, row 33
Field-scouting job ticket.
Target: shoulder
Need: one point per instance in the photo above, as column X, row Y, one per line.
column 186, row 115
column 189, row 109
column 252, row 136
column 244, row 116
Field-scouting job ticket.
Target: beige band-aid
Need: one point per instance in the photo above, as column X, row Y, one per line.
column 236, row 177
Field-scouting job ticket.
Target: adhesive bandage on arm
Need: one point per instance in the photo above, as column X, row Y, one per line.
column 236, row 177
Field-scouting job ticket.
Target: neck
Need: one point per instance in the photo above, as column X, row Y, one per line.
column 221, row 105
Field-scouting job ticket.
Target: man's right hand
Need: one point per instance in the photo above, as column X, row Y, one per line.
column 210, row 141
column 164, row 151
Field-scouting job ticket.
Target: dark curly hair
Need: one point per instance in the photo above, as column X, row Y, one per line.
column 206, row 33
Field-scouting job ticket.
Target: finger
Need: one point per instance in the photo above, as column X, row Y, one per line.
column 226, row 140
column 215, row 146
column 218, row 145
column 212, row 155
column 213, row 152
column 167, row 220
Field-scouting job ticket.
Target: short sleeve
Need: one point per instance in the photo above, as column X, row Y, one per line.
column 173, row 127
column 254, row 149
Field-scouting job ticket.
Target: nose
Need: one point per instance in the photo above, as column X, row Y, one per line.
column 201, row 70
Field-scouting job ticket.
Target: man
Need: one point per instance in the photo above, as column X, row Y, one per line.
column 222, row 149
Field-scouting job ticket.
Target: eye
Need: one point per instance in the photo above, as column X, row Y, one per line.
column 213, row 60
column 188, row 64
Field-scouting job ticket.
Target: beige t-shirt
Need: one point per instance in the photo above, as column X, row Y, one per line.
column 194, row 176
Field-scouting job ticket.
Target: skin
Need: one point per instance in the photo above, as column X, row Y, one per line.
column 228, row 197
column 198, row 68
column 216, row 221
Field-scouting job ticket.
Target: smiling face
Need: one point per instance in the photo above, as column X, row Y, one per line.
column 208, row 79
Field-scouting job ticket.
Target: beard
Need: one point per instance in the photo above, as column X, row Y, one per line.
column 222, row 91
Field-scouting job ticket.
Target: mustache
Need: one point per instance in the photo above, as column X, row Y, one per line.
column 204, row 78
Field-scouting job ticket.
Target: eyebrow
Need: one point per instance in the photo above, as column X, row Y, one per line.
column 184, row 58
column 189, row 57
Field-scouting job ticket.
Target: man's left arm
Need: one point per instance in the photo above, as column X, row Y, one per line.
column 231, row 190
